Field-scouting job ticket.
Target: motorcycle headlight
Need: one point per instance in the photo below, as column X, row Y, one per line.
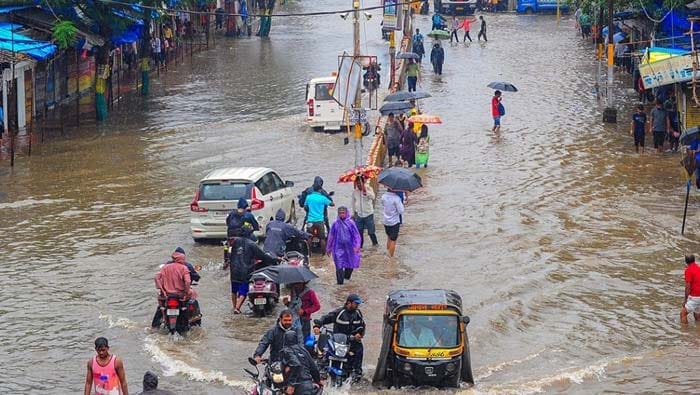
column 277, row 378
column 341, row 350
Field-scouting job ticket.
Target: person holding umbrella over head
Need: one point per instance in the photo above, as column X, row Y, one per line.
column 344, row 246
column 497, row 111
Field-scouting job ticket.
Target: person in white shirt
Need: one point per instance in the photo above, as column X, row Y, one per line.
column 363, row 210
column 393, row 209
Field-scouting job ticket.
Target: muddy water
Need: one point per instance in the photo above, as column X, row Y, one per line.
column 563, row 243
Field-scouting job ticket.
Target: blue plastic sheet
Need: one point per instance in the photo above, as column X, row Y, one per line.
column 13, row 42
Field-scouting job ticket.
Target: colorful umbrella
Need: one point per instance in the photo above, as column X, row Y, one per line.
column 438, row 34
column 366, row 171
column 425, row 118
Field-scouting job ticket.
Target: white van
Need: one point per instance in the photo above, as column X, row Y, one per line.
column 322, row 112
column 218, row 193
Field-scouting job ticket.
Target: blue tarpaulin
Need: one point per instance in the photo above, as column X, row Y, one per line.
column 13, row 42
column 5, row 10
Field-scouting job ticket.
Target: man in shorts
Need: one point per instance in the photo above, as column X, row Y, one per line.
column 496, row 111
column 638, row 127
column 393, row 209
column 392, row 134
column 691, row 304
column 659, row 125
column 244, row 254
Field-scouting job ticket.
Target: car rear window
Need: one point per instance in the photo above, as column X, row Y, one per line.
column 224, row 190
column 324, row 91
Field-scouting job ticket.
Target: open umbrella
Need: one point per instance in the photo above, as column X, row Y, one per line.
column 689, row 135
column 400, row 179
column 404, row 96
column 438, row 34
column 407, row 55
column 366, row 171
column 398, row 106
column 425, row 118
column 503, row 86
column 287, row 274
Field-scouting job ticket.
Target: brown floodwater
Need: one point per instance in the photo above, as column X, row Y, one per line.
column 564, row 244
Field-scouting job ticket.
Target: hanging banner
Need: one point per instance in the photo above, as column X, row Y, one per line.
column 347, row 82
column 667, row 71
column 392, row 15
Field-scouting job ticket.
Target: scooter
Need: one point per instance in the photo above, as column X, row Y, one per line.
column 297, row 252
column 180, row 315
column 315, row 240
column 370, row 82
column 263, row 294
column 332, row 352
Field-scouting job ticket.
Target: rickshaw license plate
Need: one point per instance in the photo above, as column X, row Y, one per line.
column 259, row 301
column 173, row 312
column 430, row 371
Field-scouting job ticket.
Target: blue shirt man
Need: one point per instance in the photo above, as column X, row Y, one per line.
column 315, row 205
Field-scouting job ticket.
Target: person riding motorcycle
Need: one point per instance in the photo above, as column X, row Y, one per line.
column 316, row 186
column 243, row 220
column 174, row 279
column 316, row 206
column 301, row 371
column 274, row 337
column 277, row 233
column 244, row 253
column 372, row 73
column 194, row 277
column 348, row 320
column 439, row 23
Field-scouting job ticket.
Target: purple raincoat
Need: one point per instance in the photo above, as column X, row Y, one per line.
column 343, row 240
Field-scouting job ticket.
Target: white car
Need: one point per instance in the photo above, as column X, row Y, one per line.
column 322, row 112
column 218, row 194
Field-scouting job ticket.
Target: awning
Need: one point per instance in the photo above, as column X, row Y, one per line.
column 15, row 42
column 42, row 20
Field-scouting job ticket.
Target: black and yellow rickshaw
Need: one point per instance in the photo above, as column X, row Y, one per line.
column 424, row 341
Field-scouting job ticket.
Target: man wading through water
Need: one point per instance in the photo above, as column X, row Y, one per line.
column 105, row 372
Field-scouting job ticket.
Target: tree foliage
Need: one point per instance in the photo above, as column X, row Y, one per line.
column 64, row 34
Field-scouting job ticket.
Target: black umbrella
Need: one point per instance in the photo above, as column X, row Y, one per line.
column 503, row 86
column 287, row 274
column 400, row 179
column 407, row 55
column 690, row 135
column 395, row 106
column 404, row 96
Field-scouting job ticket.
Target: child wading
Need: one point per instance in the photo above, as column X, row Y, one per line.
column 423, row 148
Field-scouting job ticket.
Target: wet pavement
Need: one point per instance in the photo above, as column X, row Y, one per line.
column 563, row 243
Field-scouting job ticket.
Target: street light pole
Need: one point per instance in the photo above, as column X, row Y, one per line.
column 610, row 113
column 358, row 98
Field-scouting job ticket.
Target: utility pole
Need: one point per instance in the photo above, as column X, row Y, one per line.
column 358, row 97
column 610, row 113
column 392, row 57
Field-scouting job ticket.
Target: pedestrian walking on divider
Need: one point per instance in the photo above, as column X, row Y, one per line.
column 423, row 148
column 497, row 111
column 638, row 127
column 691, row 304
column 408, row 146
column 455, row 28
column 466, row 26
column 437, row 58
column 344, row 246
column 482, row 30
column 659, row 125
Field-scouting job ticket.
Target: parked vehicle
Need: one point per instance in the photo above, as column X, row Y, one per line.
column 455, row 7
column 218, row 193
column 424, row 341
column 180, row 315
column 263, row 294
column 542, row 6
column 322, row 112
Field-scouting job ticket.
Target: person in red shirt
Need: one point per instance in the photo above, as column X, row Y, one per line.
column 496, row 111
column 691, row 304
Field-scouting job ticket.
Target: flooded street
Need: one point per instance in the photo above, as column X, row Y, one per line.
column 564, row 244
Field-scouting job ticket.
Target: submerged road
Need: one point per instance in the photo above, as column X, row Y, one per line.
column 563, row 243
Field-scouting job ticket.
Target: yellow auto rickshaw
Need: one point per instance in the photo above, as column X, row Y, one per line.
column 424, row 341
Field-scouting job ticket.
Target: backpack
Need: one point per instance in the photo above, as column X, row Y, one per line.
column 302, row 197
column 235, row 223
column 501, row 109
column 422, row 145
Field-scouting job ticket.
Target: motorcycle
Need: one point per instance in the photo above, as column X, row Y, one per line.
column 332, row 352
column 315, row 240
column 297, row 252
column 370, row 81
column 273, row 381
column 263, row 294
column 180, row 315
